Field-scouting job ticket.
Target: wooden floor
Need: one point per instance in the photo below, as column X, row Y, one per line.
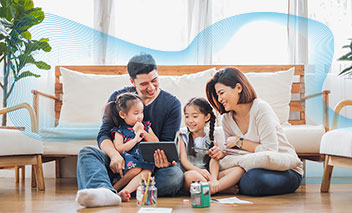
column 60, row 195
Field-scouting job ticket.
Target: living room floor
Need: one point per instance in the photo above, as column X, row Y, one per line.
column 59, row 196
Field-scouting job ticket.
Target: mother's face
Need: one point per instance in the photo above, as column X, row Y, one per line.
column 228, row 96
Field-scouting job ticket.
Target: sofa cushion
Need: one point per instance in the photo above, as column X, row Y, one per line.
column 15, row 142
column 85, row 95
column 305, row 138
column 274, row 88
column 67, row 148
column 337, row 142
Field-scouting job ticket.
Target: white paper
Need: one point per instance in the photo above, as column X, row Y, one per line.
column 232, row 200
column 153, row 210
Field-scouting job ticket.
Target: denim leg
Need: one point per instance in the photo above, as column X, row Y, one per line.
column 263, row 182
column 93, row 169
column 168, row 180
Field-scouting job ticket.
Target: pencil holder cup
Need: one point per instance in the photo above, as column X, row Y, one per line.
column 147, row 193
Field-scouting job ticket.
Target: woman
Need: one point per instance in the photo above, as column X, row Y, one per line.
column 250, row 124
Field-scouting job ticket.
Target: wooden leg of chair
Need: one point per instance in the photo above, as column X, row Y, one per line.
column 34, row 179
column 325, row 184
column 17, row 174
column 23, row 174
column 39, row 173
column 58, row 168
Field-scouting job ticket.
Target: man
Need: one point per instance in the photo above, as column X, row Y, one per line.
column 97, row 168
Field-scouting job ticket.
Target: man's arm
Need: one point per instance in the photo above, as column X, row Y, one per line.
column 172, row 123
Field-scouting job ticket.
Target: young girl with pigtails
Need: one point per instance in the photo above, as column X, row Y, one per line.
column 194, row 143
column 126, row 112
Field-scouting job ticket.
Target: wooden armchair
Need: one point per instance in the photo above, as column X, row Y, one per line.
column 336, row 145
column 19, row 150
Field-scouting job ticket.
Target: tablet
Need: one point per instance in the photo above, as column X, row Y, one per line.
column 148, row 149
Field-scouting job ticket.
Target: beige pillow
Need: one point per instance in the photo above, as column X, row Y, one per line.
column 85, row 96
column 265, row 160
column 185, row 87
column 274, row 88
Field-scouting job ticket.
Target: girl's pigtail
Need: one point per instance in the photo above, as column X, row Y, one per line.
column 190, row 144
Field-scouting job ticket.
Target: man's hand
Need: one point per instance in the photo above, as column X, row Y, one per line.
column 160, row 159
column 215, row 153
column 117, row 164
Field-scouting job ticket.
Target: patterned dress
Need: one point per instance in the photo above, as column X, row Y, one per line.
column 133, row 158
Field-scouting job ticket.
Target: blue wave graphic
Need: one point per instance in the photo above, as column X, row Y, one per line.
column 76, row 44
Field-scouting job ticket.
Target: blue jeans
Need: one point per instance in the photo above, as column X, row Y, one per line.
column 263, row 182
column 93, row 171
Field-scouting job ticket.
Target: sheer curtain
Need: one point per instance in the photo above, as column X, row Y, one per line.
column 337, row 15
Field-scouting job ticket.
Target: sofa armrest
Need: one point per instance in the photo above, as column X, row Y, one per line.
column 325, row 94
column 34, row 123
column 36, row 95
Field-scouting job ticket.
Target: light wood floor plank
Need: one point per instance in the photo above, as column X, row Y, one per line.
column 59, row 196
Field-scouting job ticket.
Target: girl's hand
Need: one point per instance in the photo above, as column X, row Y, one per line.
column 214, row 186
column 138, row 126
column 139, row 135
column 205, row 173
column 215, row 153
column 231, row 142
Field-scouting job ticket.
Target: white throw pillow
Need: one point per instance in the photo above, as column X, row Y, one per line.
column 187, row 86
column 265, row 160
column 274, row 88
column 85, row 95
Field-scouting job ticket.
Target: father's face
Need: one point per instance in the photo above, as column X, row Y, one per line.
column 147, row 85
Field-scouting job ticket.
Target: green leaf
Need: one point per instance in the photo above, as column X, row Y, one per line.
column 346, row 71
column 44, row 40
column 26, row 74
column 27, row 35
column 346, row 57
column 42, row 65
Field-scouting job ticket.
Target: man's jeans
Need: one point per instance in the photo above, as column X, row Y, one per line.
column 263, row 182
column 93, row 171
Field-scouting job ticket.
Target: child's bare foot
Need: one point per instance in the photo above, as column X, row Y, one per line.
column 125, row 195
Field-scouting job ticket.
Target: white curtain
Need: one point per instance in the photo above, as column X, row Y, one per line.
column 200, row 17
column 103, row 22
column 297, row 32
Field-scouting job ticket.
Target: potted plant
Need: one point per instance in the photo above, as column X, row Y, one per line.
column 17, row 48
column 347, row 57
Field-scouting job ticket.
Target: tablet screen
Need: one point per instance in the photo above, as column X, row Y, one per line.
column 148, row 149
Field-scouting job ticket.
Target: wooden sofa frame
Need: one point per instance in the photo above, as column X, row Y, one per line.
column 295, row 105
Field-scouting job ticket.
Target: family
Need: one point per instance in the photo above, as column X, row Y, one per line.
column 145, row 112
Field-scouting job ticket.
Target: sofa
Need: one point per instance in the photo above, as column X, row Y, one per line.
column 78, row 111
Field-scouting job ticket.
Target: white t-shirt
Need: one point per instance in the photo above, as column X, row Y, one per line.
column 264, row 128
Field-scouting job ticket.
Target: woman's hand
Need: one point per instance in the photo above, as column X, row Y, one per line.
column 117, row 164
column 160, row 159
column 231, row 142
column 215, row 153
column 214, row 186
column 205, row 173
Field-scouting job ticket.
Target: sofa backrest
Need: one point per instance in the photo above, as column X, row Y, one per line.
column 176, row 78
